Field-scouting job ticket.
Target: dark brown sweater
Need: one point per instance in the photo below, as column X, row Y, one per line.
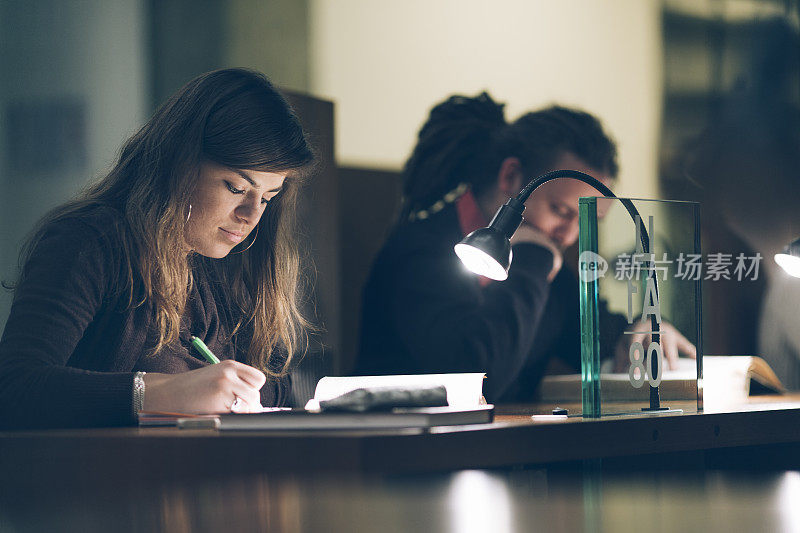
column 71, row 344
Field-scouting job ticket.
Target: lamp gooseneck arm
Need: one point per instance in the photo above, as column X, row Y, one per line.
column 593, row 182
column 534, row 184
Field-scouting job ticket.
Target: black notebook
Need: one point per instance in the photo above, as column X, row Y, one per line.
column 300, row 419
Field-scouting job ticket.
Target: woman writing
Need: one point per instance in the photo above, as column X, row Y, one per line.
column 190, row 234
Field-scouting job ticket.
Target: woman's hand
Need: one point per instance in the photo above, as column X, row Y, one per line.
column 211, row 389
column 673, row 343
column 528, row 233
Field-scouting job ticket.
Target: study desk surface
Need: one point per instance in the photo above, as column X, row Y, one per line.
column 765, row 428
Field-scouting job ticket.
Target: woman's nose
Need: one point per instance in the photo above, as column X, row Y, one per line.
column 248, row 209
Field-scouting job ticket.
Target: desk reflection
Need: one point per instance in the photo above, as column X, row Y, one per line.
column 464, row 502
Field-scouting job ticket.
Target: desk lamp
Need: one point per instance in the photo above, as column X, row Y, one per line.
column 487, row 251
column 789, row 258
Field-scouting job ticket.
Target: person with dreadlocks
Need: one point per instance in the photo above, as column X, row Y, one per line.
column 424, row 313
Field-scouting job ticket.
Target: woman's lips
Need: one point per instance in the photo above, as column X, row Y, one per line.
column 231, row 236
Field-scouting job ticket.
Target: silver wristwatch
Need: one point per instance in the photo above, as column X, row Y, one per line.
column 138, row 393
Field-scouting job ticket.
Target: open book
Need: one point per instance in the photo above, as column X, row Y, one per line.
column 463, row 390
column 729, row 377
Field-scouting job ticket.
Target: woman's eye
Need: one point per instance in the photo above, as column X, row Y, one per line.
column 233, row 189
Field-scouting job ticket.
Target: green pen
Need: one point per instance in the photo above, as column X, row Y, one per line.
column 201, row 347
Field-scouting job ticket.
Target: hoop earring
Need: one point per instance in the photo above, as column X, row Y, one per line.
column 249, row 245
column 189, row 214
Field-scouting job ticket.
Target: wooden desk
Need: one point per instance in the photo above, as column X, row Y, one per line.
column 166, row 479
column 767, row 433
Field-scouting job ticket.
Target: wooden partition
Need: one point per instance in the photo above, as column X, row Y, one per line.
column 345, row 215
column 318, row 218
column 369, row 200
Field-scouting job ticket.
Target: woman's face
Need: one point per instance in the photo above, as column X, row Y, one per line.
column 553, row 207
column 226, row 206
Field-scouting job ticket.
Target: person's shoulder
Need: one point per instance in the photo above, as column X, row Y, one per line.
column 102, row 219
column 93, row 231
column 424, row 236
column 80, row 246
column 90, row 223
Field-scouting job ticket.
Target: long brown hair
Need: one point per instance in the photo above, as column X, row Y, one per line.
column 235, row 118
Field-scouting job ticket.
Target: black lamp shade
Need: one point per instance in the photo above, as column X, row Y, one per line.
column 486, row 251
